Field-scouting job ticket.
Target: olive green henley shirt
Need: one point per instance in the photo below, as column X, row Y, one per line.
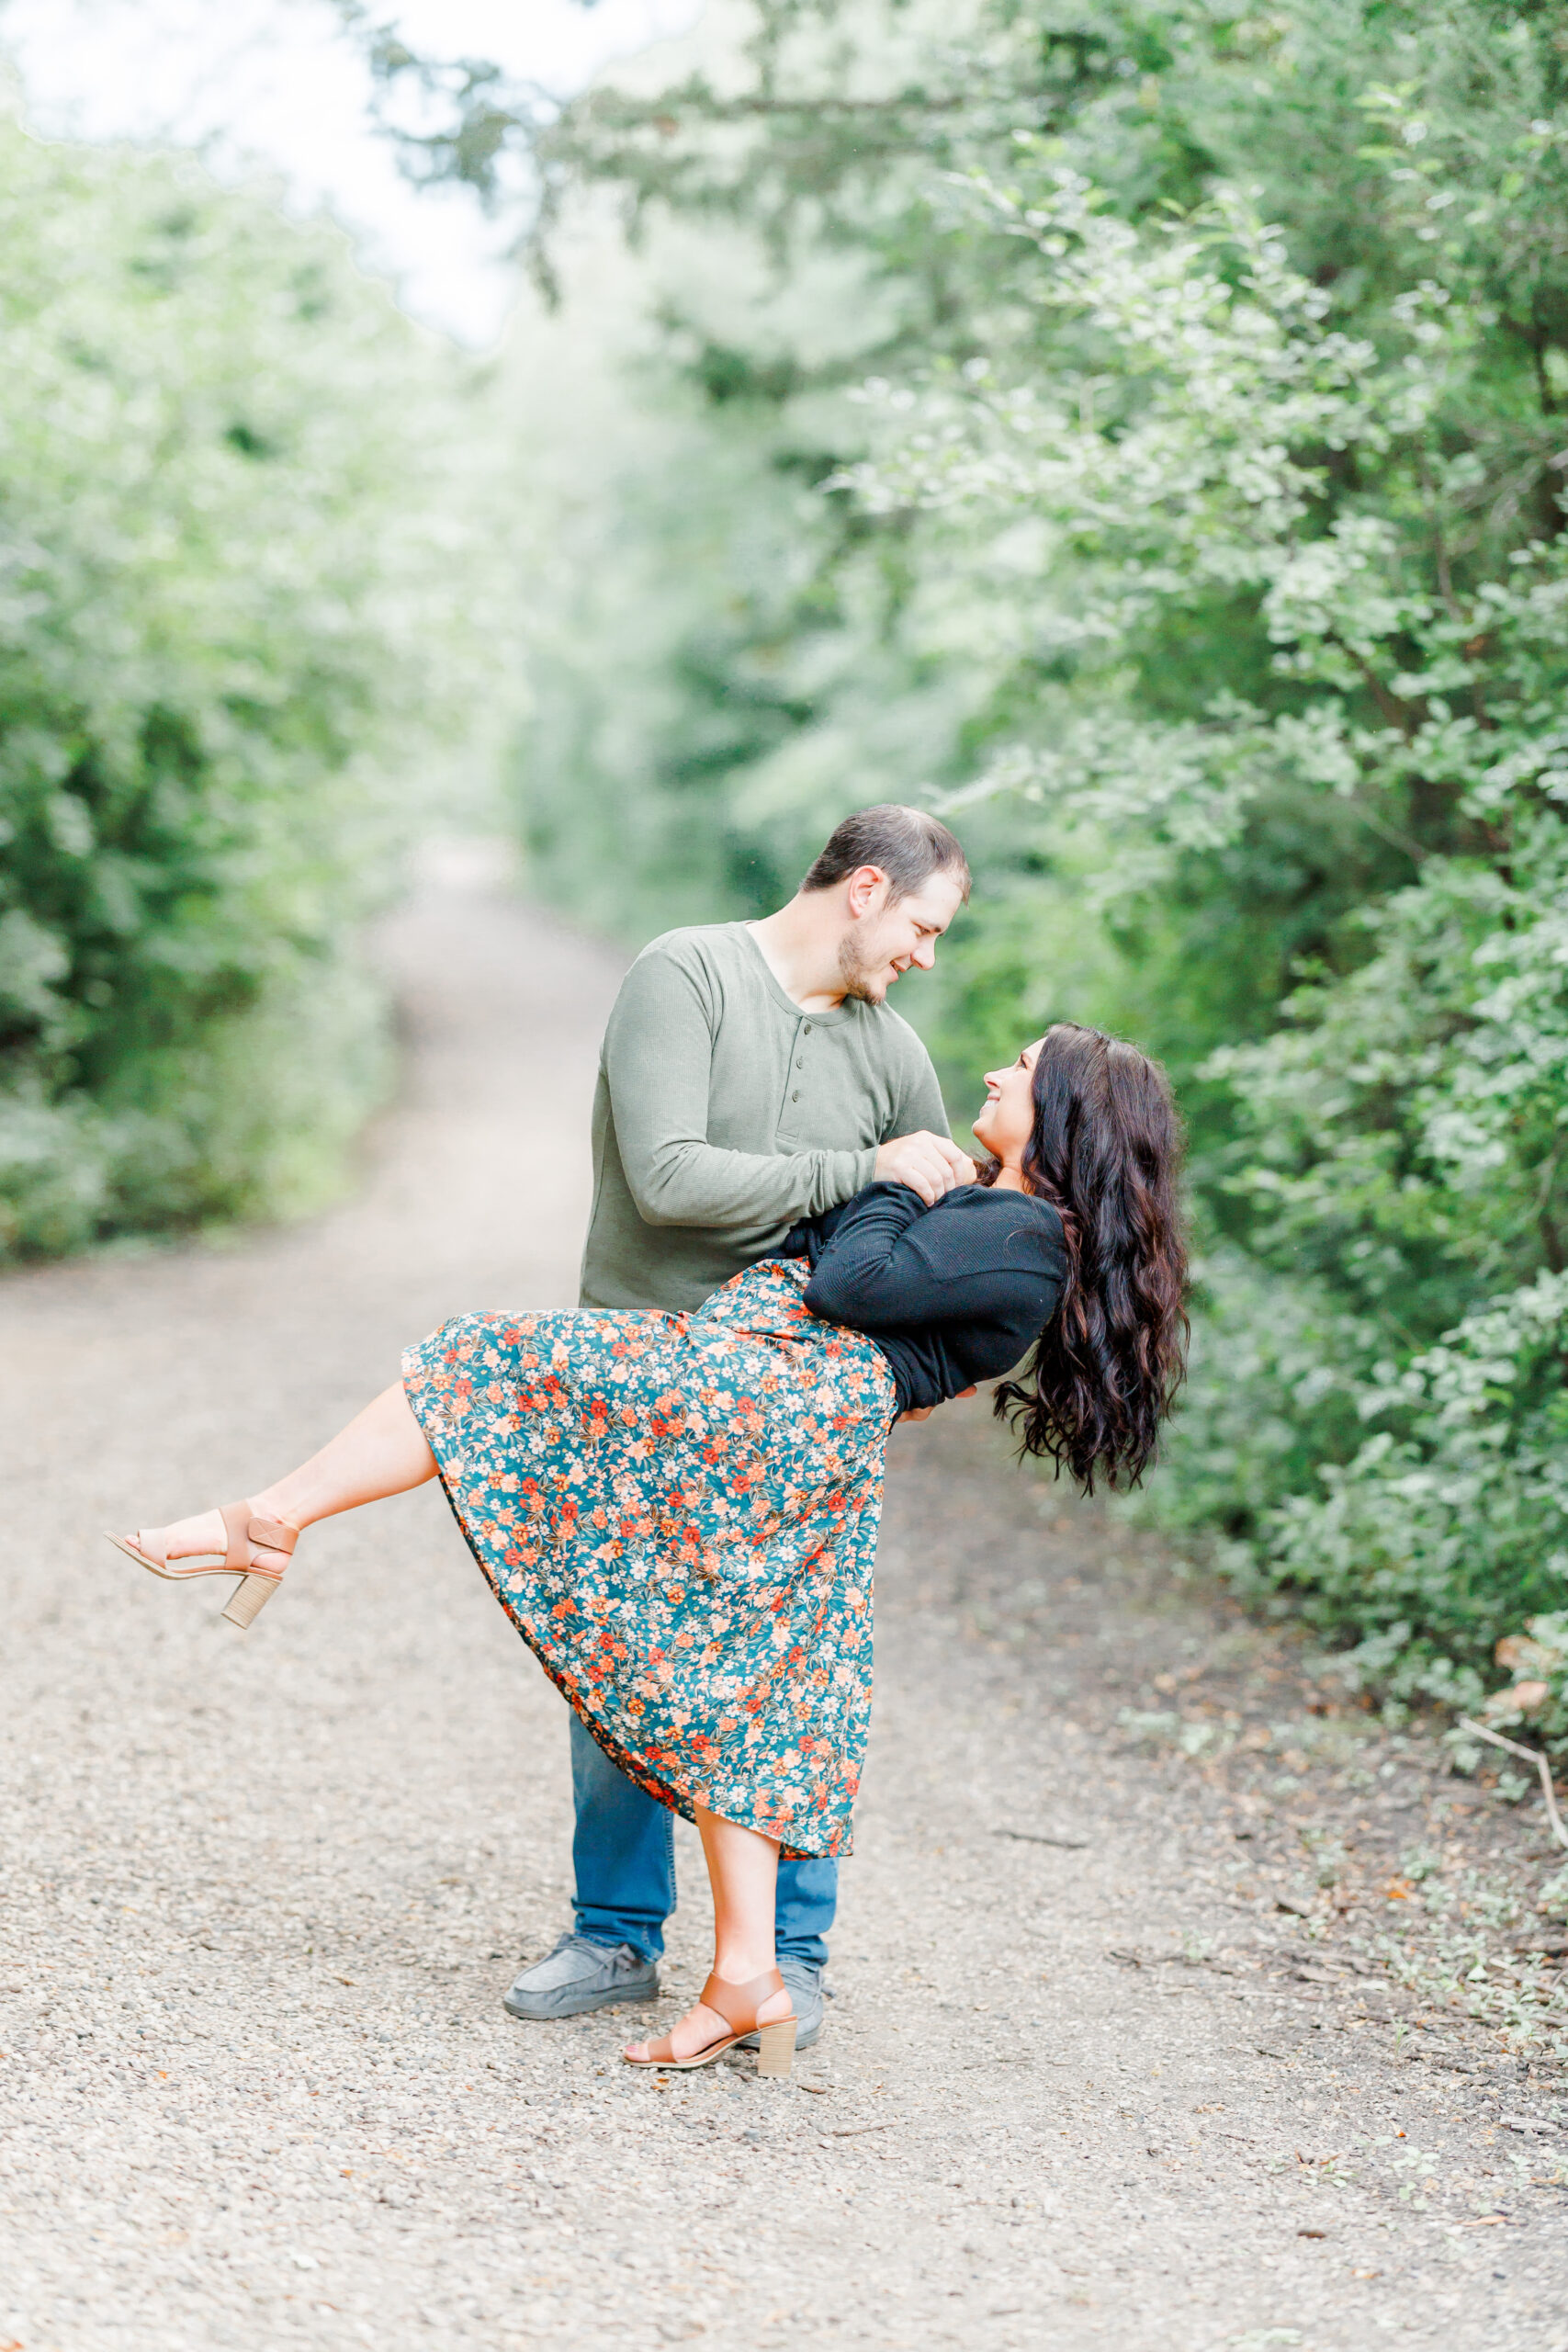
column 723, row 1112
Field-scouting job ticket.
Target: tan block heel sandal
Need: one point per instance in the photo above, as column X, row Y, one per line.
column 247, row 1534
column 737, row 2005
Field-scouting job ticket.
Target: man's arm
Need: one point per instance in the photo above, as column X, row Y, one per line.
column 919, row 1108
column 657, row 1061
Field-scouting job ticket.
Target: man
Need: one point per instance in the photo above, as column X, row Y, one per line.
column 752, row 1074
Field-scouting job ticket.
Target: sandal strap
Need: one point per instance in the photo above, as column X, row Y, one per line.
column 664, row 2049
column 738, row 2004
column 246, row 1532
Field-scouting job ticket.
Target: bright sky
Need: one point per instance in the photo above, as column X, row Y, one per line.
column 276, row 83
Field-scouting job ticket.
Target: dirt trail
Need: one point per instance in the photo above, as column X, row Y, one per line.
column 1084, row 2082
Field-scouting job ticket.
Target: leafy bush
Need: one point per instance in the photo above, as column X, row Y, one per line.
column 1402, row 1131
column 240, row 568
column 1416, row 1514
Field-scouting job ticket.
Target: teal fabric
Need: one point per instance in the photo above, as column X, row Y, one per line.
column 678, row 1513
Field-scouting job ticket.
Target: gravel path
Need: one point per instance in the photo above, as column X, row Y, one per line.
column 1085, row 2082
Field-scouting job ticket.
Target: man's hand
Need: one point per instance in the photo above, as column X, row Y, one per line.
column 931, row 1165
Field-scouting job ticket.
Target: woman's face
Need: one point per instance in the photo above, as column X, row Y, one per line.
column 1004, row 1126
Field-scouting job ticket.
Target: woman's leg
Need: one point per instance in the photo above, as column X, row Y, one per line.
column 743, row 1868
column 743, row 1871
column 382, row 1451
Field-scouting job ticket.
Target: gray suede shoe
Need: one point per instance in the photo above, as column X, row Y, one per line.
column 805, row 1991
column 580, row 1975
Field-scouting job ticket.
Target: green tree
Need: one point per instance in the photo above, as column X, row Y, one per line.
column 243, row 590
column 721, row 658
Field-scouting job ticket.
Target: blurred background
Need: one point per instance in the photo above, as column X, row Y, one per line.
column 641, row 433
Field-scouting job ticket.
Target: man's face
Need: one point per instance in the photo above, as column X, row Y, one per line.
column 883, row 941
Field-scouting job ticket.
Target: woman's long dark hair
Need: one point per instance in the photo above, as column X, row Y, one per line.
column 1105, row 1151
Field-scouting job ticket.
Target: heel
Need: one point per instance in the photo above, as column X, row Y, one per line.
column 775, row 2047
column 250, row 1598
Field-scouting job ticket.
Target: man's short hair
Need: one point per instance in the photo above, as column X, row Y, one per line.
column 908, row 845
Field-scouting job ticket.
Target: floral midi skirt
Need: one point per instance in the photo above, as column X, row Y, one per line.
column 679, row 1514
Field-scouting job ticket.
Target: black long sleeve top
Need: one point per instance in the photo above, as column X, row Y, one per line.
column 951, row 1295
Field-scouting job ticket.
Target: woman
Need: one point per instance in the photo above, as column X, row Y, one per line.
column 679, row 1512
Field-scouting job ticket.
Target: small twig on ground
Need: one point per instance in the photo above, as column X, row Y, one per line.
column 1531, row 1756
column 1040, row 1837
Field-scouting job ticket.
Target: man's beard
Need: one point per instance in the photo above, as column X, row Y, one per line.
column 861, row 974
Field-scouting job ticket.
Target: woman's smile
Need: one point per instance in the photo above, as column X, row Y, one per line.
column 1006, row 1120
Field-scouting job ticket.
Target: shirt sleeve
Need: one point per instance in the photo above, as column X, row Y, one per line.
column 876, row 1275
column 658, row 1066
column 920, row 1109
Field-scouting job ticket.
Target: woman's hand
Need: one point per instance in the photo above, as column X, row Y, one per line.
column 924, row 1412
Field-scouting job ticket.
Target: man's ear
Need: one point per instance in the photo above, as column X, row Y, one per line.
column 862, row 887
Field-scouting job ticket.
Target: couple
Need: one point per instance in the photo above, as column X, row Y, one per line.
column 674, row 1491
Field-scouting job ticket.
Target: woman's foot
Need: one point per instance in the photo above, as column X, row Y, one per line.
column 200, row 1537
column 204, row 1536
column 701, row 2026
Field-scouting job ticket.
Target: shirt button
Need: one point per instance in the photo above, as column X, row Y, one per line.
column 805, row 1029
column 795, row 1096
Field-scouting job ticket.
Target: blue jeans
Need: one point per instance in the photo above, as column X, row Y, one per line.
column 624, row 1855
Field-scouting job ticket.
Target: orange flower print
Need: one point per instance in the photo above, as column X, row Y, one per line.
column 740, row 1447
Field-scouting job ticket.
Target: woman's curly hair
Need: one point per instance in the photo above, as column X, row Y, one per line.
column 1105, row 1151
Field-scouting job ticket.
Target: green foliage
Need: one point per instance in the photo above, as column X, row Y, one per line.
column 236, row 543
column 722, row 659
column 1397, row 1138
column 1536, row 1699
column 814, row 123
column 1190, row 456
column 662, row 595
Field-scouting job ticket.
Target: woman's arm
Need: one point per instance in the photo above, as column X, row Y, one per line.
column 883, row 1269
column 853, row 1268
